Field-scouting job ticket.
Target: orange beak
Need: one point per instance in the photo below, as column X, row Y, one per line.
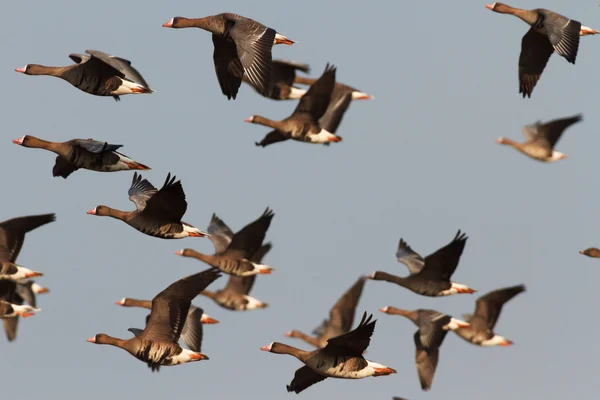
column 266, row 271
column 284, row 41
column 33, row 274
column 335, row 139
column 506, row 343
column 208, row 320
column 43, row 290
column 196, row 234
column 384, row 371
column 27, row 314
column 198, row 356
column 467, row 290
column 141, row 90
column 137, row 166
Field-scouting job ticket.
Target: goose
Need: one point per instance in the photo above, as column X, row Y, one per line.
column 235, row 296
column 158, row 212
column 232, row 256
column 550, row 32
column 482, row 322
column 12, row 237
column 81, row 153
column 341, row 318
column 202, row 317
column 541, row 139
column 283, row 75
column 591, row 252
column 12, row 271
column 433, row 327
column 303, row 124
column 341, row 97
column 9, row 310
column 242, row 47
column 429, row 276
column 157, row 345
column 342, row 357
column 192, row 331
column 96, row 73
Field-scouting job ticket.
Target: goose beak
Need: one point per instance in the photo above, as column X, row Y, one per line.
column 21, row 70
column 92, row 212
column 91, row 340
column 490, row 6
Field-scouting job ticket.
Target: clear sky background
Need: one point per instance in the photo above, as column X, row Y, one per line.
column 419, row 162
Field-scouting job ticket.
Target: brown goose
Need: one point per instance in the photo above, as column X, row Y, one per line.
column 341, row 317
column 433, row 327
column 242, row 48
column 96, row 73
column 541, row 139
column 158, row 212
column 341, row 97
column 591, row 252
column 201, row 317
column 233, row 256
column 549, row 32
column 14, row 272
column 9, row 310
column 429, row 276
column 283, row 74
column 12, row 236
column 80, row 153
column 235, row 295
column 303, row 124
column 341, row 358
column 158, row 344
column 192, row 331
column 482, row 323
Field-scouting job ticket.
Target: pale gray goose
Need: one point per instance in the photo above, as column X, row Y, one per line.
column 235, row 296
column 433, row 327
column 549, row 32
column 341, row 318
column 96, row 73
column 341, row 97
column 14, row 272
column 283, row 74
column 157, row 344
column 12, row 236
column 487, row 311
column 591, row 252
column 429, row 276
column 158, row 212
column 303, row 124
column 192, row 331
column 9, row 310
column 341, row 358
column 242, row 47
column 541, row 139
column 233, row 256
column 81, row 153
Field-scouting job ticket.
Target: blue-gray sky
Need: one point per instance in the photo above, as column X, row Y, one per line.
column 418, row 162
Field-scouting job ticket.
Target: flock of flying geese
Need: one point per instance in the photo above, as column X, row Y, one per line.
column 242, row 52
